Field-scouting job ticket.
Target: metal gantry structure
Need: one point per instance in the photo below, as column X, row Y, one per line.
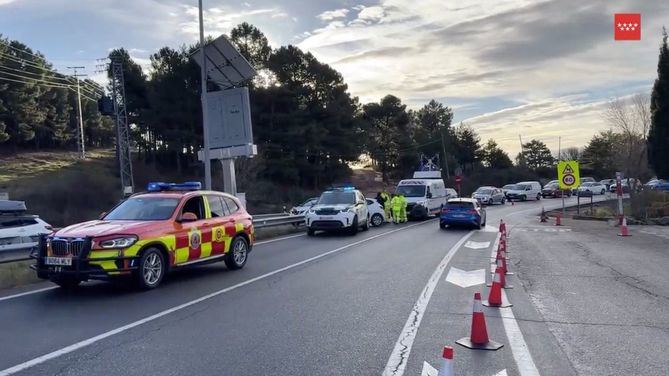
column 122, row 129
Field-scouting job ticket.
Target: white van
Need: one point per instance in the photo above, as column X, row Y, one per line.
column 524, row 190
column 424, row 196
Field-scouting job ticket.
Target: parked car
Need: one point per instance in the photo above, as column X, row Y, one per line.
column 489, row 196
column 451, row 193
column 377, row 216
column 19, row 231
column 625, row 185
column 302, row 208
column 343, row 208
column 507, row 187
column 553, row 190
column 583, row 180
column 524, row 191
column 592, row 188
column 608, row 183
column 425, row 197
column 462, row 211
column 661, row 185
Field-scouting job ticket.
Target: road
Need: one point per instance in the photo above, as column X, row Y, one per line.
column 329, row 305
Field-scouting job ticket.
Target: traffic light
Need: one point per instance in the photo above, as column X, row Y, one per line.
column 106, row 106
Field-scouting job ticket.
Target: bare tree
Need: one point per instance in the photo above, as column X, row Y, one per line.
column 571, row 154
column 631, row 119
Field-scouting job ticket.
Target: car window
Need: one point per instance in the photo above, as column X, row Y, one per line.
column 370, row 202
column 337, row 198
column 19, row 222
column 231, row 204
column 143, row 208
column 194, row 205
column 460, row 205
column 217, row 206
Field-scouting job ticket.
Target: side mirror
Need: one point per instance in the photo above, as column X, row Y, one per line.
column 187, row 217
column 102, row 215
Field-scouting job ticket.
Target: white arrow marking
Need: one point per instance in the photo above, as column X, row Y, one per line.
column 466, row 279
column 477, row 245
column 501, row 373
column 428, row 370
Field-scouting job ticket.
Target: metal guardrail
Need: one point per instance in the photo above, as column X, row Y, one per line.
column 259, row 221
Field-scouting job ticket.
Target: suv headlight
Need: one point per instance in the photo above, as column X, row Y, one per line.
column 421, row 203
column 120, row 242
column 311, row 211
column 351, row 209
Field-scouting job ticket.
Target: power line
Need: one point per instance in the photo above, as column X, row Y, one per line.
column 58, row 86
column 36, row 74
column 68, row 80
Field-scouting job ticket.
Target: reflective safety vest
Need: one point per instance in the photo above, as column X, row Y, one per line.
column 396, row 202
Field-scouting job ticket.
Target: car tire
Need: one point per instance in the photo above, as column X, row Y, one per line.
column 66, row 282
column 311, row 232
column 479, row 226
column 503, row 201
column 603, row 191
column 354, row 227
column 523, row 198
column 365, row 226
column 238, row 253
column 442, row 226
column 151, row 269
column 377, row 220
column 538, row 197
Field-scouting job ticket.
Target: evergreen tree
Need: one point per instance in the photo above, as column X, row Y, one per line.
column 536, row 154
column 658, row 139
column 494, row 157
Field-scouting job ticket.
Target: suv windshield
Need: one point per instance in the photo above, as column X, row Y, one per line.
column 484, row 191
column 143, row 209
column 337, row 198
column 411, row 190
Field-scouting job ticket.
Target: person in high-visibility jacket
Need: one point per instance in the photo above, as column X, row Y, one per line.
column 403, row 209
column 396, row 204
column 387, row 206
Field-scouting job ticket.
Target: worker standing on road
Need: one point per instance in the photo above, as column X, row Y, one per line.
column 386, row 204
column 396, row 203
column 403, row 208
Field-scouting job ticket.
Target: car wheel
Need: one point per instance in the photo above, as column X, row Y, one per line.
column 603, row 191
column 354, row 227
column 442, row 225
column 311, row 232
column 151, row 269
column 503, row 201
column 523, row 198
column 478, row 225
column 538, row 197
column 67, row 283
column 238, row 254
column 365, row 226
column 377, row 220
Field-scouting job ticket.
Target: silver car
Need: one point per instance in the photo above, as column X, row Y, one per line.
column 489, row 196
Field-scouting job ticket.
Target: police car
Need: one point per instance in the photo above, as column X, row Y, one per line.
column 342, row 208
column 142, row 238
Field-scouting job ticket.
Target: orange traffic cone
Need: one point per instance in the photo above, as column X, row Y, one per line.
column 624, row 231
column 478, row 338
column 447, row 363
column 502, row 227
column 501, row 258
column 558, row 221
column 495, row 295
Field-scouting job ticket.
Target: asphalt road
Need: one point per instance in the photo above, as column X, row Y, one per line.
column 329, row 305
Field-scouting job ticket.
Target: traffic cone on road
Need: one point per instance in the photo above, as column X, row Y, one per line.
column 447, row 362
column 495, row 295
column 558, row 221
column 502, row 227
column 624, row 231
column 478, row 338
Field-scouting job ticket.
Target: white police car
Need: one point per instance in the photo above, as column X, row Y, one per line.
column 338, row 209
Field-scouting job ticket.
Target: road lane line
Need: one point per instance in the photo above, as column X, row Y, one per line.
column 27, row 293
column 278, row 239
column 92, row 340
column 399, row 357
column 519, row 349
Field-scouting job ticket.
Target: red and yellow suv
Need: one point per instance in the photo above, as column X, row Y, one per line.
column 148, row 234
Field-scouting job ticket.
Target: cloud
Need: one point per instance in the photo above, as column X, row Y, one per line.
column 5, row 2
column 333, row 14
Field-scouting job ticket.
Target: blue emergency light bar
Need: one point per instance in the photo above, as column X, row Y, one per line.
column 342, row 187
column 186, row 186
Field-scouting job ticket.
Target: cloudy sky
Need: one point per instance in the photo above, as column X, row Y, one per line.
column 541, row 69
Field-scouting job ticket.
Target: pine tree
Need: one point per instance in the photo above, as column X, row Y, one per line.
column 658, row 139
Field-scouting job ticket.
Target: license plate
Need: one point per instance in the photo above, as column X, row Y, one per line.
column 459, row 215
column 66, row 261
column 326, row 218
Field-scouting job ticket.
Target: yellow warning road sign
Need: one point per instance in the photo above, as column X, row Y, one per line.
column 568, row 175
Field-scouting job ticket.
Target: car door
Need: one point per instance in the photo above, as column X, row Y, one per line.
column 190, row 236
column 221, row 223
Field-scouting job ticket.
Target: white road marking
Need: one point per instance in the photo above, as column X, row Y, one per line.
column 398, row 358
column 428, row 370
column 519, row 349
column 279, row 239
column 501, row 373
column 465, row 279
column 477, row 245
column 92, row 340
column 27, row 293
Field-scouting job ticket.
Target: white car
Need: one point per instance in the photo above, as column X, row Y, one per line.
column 591, row 187
column 524, row 191
column 303, row 207
column 20, row 231
column 338, row 209
column 377, row 216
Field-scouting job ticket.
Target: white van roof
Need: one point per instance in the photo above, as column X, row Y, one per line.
column 427, row 175
column 419, row 181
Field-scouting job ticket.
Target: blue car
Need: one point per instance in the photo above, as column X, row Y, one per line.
column 462, row 211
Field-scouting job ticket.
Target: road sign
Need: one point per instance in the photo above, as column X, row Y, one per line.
column 568, row 174
column 458, row 179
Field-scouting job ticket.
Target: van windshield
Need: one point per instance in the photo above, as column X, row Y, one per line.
column 411, row 190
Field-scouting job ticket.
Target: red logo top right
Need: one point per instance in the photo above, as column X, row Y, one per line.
column 627, row 26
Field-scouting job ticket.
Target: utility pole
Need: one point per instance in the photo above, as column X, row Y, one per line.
column 205, row 115
column 443, row 147
column 559, row 148
column 81, row 147
column 522, row 149
column 122, row 129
